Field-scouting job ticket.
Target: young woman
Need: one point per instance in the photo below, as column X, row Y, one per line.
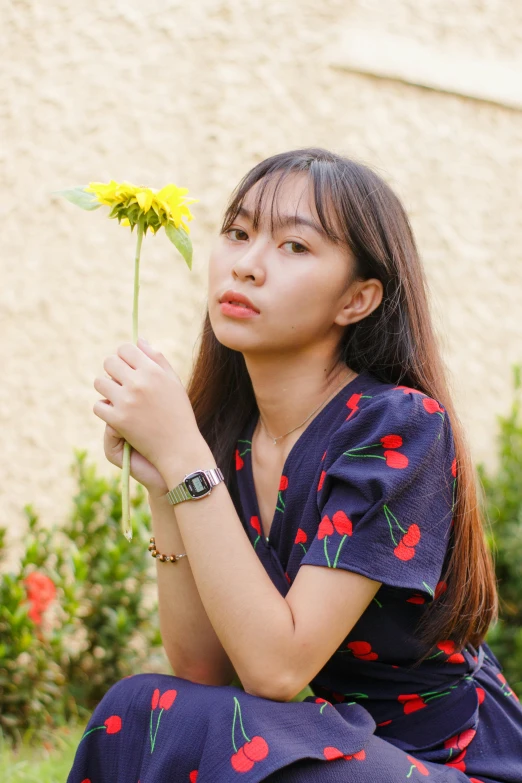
column 344, row 548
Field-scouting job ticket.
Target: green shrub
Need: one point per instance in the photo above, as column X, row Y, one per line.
column 31, row 682
column 56, row 663
column 503, row 505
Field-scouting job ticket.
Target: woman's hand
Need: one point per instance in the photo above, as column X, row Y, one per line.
column 140, row 468
column 147, row 405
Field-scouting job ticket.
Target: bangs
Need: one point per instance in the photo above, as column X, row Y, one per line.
column 324, row 200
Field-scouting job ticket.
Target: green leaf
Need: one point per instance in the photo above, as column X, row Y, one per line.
column 80, row 197
column 182, row 242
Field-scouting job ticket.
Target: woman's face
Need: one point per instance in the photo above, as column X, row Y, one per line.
column 296, row 278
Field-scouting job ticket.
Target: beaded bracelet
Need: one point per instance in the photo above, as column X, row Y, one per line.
column 163, row 558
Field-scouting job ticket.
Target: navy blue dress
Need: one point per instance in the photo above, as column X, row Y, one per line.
column 369, row 487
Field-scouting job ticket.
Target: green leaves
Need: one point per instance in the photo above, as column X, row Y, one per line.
column 80, row 197
column 503, row 505
column 181, row 240
column 60, row 669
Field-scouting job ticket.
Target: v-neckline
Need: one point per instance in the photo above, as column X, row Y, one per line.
column 307, row 430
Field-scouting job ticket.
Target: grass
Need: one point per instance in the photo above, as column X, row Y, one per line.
column 40, row 765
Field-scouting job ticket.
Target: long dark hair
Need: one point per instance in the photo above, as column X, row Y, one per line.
column 396, row 343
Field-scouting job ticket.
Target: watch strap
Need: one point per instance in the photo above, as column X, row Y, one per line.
column 180, row 493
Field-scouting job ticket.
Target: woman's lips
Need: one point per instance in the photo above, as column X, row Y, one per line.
column 237, row 311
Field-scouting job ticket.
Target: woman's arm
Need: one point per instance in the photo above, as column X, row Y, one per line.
column 276, row 644
column 191, row 645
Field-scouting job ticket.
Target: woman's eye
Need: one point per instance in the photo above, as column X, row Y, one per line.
column 302, row 248
column 297, row 244
column 235, row 229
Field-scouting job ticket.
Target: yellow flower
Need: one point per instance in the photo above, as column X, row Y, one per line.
column 145, row 207
column 130, row 203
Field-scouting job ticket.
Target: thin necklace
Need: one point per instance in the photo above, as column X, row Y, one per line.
column 311, row 414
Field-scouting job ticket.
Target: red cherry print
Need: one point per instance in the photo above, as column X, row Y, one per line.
column 441, row 588
column 331, row 753
column 240, row 762
column 325, row 528
column 239, row 460
column 475, row 780
column 288, row 578
column 454, row 467
column 88, row 780
column 412, row 537
column 321, row 480
column 283, row 484
column 362, row 651
column 193, row 776
column 391, row 441
column 394, row 459
column 408, row 390
column 502, row 678
column 458, row 762
column 461, row 740
column 256, row 749
column 446, row 646
column 342, row 524
column 301, row 537
column 418, row 765
column 113, row 724
column 360, row 755
column 155, row 699
column 337, row 696
column 403, row 552
column 354, row 401
column 411, row 701
column 456, row 658
column 385, row 723
column 359, row 648
column 324, row 455
column 432, row 406
column 481, row 693
column 254, row 521
column 167, row 699
column 416, row 598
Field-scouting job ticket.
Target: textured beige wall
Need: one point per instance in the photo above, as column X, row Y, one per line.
column 197, row 93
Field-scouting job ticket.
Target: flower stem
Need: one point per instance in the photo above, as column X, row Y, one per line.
column 126, row 524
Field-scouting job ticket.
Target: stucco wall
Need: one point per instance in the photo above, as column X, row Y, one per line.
column 197, row 93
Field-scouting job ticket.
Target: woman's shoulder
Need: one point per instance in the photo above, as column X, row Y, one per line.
column 388, row 413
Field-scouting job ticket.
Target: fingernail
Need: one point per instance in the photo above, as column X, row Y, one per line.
column 144, row 341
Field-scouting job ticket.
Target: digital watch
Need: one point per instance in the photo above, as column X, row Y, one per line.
column 195, row 486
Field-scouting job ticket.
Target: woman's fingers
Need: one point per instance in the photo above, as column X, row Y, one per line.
column 118, row 369
column 107, row 387
column 111, row 432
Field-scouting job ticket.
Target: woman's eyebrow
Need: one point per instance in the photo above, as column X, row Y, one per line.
column 286, row 220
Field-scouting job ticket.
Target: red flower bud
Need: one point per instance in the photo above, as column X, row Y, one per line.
column 167, row 699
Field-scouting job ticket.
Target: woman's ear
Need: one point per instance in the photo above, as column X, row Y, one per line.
column 363, row 298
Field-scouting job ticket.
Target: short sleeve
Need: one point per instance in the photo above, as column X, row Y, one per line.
column 386, row 492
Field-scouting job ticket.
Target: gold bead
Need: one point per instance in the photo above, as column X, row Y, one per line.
column 162, row 558
column 151, row 547
column 151, row 539
column 154, row 553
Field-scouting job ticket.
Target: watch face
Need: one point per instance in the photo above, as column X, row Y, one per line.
column 197, row 484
